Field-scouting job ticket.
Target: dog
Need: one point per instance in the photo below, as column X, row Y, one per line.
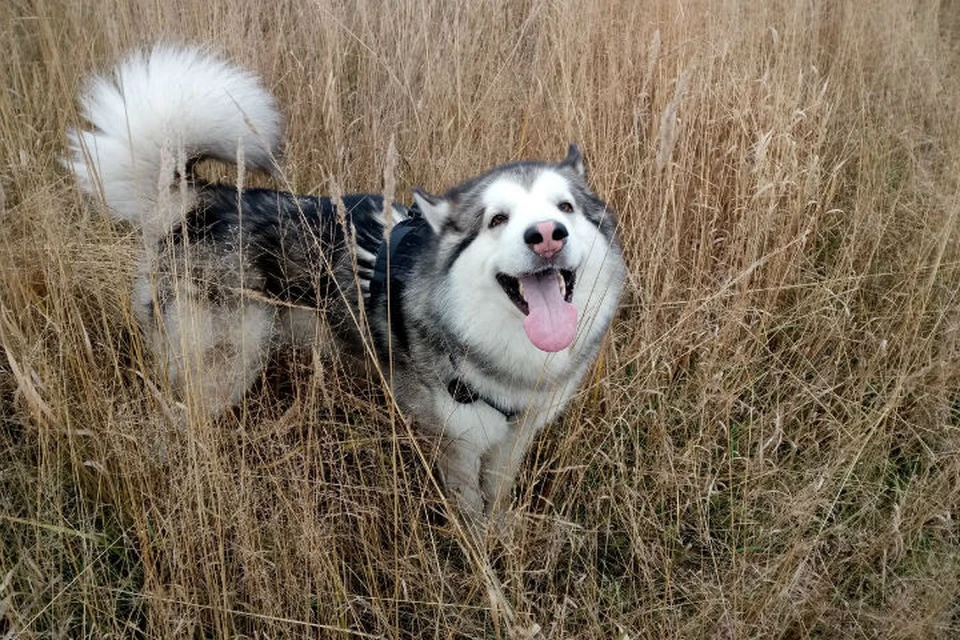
column 487, row 305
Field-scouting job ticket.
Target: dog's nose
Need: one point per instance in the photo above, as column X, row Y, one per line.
column 546, row 238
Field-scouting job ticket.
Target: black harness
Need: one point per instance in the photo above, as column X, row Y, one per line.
column 463, row 393
column 398, row 256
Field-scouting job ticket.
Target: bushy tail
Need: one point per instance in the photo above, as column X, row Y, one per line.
column 157, row 110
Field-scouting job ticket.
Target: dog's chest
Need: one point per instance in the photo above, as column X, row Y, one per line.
column 539, row 392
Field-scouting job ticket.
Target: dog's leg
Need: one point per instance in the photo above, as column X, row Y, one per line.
column 214, row 353
column 459, row 465
column 502, row 463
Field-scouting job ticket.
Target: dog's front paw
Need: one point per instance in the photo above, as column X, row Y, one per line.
column 503, row 525
column 469, row 501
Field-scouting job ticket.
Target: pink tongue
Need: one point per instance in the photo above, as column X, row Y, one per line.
column 552, row 322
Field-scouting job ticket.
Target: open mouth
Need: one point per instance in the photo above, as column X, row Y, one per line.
column 546, row 299
column 516, row 290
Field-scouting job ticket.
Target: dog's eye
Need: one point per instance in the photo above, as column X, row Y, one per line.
column 565, row 206
column 498, row 220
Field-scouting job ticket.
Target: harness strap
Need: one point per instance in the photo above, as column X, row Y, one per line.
column 400, row 262
column 463, row 393
column 398, row 256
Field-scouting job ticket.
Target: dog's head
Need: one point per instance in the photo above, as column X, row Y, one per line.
column 520, row 238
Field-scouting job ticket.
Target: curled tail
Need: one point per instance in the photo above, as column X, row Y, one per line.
column 157, row 111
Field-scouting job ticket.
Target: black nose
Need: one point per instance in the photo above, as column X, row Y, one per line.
column 533, row 236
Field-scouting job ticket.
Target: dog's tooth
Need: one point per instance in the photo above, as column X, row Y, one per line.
column 561, row 284
column 520, row 287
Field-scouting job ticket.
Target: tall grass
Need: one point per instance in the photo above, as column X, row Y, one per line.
column 768, row 447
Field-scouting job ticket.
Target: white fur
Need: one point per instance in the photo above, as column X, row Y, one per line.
column 470, row 431
column 155, row 111
column 214, row 355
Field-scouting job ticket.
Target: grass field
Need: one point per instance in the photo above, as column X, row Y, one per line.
column 768, row 448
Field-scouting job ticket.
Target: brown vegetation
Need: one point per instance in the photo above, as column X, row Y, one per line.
column 769, row 447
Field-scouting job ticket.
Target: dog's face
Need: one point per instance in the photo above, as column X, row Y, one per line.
column 518, row 242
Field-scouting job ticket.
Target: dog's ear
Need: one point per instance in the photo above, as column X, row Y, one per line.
column 574, row 159
column 435, row 209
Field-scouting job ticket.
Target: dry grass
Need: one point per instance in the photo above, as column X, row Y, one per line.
column 770, row 446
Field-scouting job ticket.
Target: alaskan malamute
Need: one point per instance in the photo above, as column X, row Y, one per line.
column 489, row 302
